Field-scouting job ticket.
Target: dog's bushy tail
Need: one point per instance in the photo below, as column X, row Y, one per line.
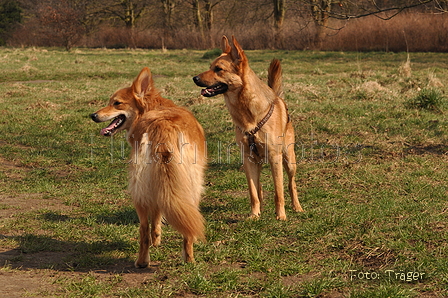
column 172, row 182
column 275, row 77
column 180, row 188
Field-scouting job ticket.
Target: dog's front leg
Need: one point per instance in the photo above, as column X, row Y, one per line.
column 252, row 171
column 143, row 253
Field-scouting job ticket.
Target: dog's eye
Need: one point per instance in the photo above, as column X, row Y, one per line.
column 117, row 103
column 218, row 69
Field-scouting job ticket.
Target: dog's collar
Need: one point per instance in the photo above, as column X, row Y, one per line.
column 251, row 133
column 261, row 123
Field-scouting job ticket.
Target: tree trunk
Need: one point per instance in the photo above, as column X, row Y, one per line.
column 320, row 10
column 129, row 17
column 199, row 24
column 168, row 7
column 279, row 17
column 208, row 14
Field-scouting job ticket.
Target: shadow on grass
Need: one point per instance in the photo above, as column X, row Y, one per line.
column 45, row 252
column 436, row 149
column 127, row 216
column 34, row 251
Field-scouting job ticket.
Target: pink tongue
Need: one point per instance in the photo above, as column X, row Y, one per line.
column 104, row 131
column 107, row 130
column 205, row 92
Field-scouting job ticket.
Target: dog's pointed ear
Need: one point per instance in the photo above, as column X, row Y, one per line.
column 237, row 52
column 143, row 83
column 225, row 46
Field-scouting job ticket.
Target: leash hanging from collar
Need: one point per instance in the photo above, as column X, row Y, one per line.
column 251, row 133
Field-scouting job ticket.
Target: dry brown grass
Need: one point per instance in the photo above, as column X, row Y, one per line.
column 414, row 32
column 419, row 32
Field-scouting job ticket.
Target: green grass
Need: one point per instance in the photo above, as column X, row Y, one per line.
column 428, row 99
column 372, row 151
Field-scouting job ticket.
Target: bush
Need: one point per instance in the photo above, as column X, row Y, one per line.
column 427, row 99
column 62, row 25
column 10, row 15
column 212, row 54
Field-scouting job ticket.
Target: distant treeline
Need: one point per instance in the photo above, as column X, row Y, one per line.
column 364, row 25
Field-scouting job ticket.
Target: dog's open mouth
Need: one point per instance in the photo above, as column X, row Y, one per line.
column 114, row 125
column 214, row 90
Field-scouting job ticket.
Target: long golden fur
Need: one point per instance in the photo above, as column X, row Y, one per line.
column 263, row 128
column 166, row 171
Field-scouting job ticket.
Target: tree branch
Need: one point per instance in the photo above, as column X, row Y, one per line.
column 397, row 10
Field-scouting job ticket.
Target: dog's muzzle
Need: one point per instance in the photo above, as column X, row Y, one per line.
column 116, row 123
column 94, row 117
column 197, row 81
column 210, row 91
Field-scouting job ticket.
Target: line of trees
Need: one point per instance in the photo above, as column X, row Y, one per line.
column 71, row 23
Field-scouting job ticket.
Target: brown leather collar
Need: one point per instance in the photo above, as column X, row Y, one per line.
column 262, row 122
column 251, row 133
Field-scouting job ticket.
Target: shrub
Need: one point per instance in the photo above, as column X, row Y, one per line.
column 10, row 15
column 212, row 54
column 427, row 99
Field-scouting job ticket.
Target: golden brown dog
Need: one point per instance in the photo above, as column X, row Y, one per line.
column 263, row 129
column 167, row 162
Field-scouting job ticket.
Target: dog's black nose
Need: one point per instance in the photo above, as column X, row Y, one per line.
column 94, row 117
column 196, row 80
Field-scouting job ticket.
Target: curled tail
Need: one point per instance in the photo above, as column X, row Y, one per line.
column 275, row 77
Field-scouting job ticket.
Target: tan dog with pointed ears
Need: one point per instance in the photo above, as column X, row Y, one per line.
column 167, row 164
column 263, row 128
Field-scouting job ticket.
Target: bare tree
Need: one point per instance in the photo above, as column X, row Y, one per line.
column 61, row 22
column 208, row 12
column 127, row 12
column 202, row 12
column 383, row 9
column 279, row 18
column 262, row 23
column 322, row 11
column 168, row 9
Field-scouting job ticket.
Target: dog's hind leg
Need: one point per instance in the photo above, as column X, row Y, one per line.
column 143, row 253
column 156, row 227
column 187, row 251
column 290, row 167
column 289, row 163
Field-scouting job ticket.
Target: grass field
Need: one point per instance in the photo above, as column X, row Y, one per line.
column 372, row 147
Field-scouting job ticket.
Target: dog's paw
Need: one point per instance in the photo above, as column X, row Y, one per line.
column 298, row 209
column 281, row 217
column 156, row 242
column 141, row 265
column 253, row 216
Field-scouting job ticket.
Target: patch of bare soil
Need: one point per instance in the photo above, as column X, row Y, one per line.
column 44, row 282
column 23, row 276
column 20, row 275
column 13, row 204
column 21, row 284
column 12, row 169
